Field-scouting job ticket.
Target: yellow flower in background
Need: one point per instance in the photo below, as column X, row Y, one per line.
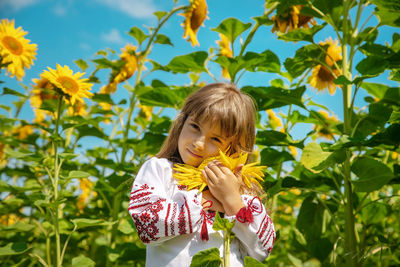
column 195, row 15
column 192, row 177
column 146, row 110
column 321, row 77
column 225, row 50
column 9, row 219
column 41, row 91
column 274, row 120
column 79, row 109
column 3, row 158
column 395, row 155
column 131, row 62
column 291, row 20
column 324, row 130
column 71, row 84
column 23, row 132
column 292, row 150
column 86, row 186
column 334, row 51
column 15, row 49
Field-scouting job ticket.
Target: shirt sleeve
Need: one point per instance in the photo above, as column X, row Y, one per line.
column 157, row 215
column 257, row 236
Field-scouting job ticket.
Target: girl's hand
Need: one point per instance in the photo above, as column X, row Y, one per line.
column 215, row 205
column 224, row 185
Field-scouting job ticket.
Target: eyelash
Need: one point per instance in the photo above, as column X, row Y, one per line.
column 197, row 128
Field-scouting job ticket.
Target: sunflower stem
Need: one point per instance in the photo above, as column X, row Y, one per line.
column 56, row 176
column 350, row 238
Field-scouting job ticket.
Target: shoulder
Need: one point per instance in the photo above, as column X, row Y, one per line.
column 158, row 165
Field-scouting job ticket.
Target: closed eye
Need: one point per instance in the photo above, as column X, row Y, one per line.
column 195, row 126
column 217, row 140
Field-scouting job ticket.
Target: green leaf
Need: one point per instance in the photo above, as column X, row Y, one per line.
column 374, row 213
column 85, row 130
column 160, row 14
column 371, row 174
column 81, row 64
column 309, row 220
column 206, row 258
column 394, row 117
column 82, row 261
column 306, row 57
column 270, row 156
column 138, row 34
column 295, row 261
column 388, row 12
column 14, row 249
column 342, row 80
column 372, row 65
column 274, row 97
column 8, row 91
column 232, row 28
column 163, row 39
column 126, row 227
column 17, row 154
column 251, row 262
column 302, row 34
column 223, row 224
column 396, row 42
column 193, row 62
column 376, row 89
column 78, row 174
column 316, row 160
column 103, row 98
column 159, row 96
column 82, row 223
column 275, row 138
column 104, row 63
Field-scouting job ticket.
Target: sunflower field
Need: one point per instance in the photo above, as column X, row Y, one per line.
column 332, row 191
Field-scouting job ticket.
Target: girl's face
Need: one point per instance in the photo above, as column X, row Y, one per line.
column 200, row 140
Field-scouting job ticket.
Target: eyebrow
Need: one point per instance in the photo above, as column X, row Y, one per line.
column 198, row 123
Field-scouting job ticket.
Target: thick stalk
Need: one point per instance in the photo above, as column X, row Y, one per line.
column 350, row 239
column 56, row 175
column 227, row 243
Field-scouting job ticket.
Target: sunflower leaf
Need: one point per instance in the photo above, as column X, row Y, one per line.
column 302, row 34
column 163, row 39
column 138, row 34
column 232, row 28
column 193, row 62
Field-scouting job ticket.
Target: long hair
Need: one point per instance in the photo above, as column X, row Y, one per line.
column 217, row 103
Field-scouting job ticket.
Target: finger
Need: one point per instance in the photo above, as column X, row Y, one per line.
column 215, row 168
column 238, row 170
column 209, row 175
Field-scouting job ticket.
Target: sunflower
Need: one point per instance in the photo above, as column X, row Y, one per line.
column 192, row 177
column 146, row 111
column 274, row 120
column 225, row 50
column 69, row 83
column 322, row 77
column 78, row 109
column 291, row 19
column 325, row 131
column 41, row 91
column 128, row 69
column 15, row 49
column 86, row 187
column 23, row 132
column 195, row 15
column 3, row 158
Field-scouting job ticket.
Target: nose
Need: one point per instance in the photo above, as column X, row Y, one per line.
column 199, row 142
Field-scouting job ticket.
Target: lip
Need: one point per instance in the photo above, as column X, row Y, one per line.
column 193, row 154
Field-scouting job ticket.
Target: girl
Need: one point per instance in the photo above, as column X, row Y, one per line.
column 176, row 223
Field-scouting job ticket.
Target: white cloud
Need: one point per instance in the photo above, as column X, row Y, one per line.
column 16, row 5
column 60, row 10
column 134, row 8
column 113, row 36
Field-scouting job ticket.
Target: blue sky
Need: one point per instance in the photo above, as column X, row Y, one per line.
column 66, row 30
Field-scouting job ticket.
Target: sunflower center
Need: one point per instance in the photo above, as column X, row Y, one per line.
column 69, row 84
column 325, row 75
column 13, row 45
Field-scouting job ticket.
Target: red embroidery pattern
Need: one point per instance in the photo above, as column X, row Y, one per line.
column 181, row 221
column 172, row 221
column 166, row 219
column 146, row 222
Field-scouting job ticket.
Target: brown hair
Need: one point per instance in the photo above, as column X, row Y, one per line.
column 220, row 103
